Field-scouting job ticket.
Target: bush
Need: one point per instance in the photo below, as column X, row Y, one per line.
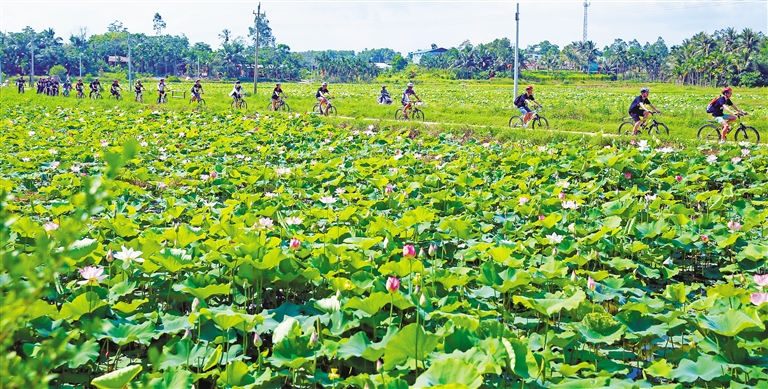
column 58, row 70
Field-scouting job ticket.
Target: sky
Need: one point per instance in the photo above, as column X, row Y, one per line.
column 403, row 26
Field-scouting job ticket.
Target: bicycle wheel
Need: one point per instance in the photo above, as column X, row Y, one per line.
column 284, row 107
column 332, row 111
column 747, row 134
column 418, row 114
column 243, row 104
column 626, row 128
column 540, row 122
column 658, row 128
column 516, row 121
column 709, row 132
column 399, row 114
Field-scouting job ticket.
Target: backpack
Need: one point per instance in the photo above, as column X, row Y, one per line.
column 517, row 100
column 711, row 106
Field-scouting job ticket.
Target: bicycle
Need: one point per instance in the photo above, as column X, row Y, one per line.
column 21, row 88
column 138, row 97
column 281, row 106
column 95, row 94
column 536, row 120
column 330, row 109
column 200, row 100
column 80, row 94
column 412, row 113
column 162, row 98
column 239, row 103
column 711, row 131
column 654, row 127
column 115, row 95
column 65, row 93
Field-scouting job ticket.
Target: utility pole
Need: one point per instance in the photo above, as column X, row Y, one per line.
column 256, row 62
column 81, row 65
column 584, row 38
column 130, row 79
column 198, row 67
column 32, row 71
column 517, row 43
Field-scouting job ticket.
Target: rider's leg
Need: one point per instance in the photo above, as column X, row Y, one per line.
column 727, row 120
column 638, row 121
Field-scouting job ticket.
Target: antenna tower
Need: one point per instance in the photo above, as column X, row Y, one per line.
column 586, row 5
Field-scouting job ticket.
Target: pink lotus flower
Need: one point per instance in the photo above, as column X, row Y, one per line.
column 627, row 175
column 561, row 196
column 704, row 238
column 591, row 284
column 388, row 189
column 761, row 279
column 759, row 298
column 409, row 251
column 293, row 221
column 50, row 226
column 734, row 225
column 213, row 175
column 523, row 200
column 393, row 284
column 294, row 244
column 264, row 223
column 541, row 217
column 678, row 177
column 92, row 275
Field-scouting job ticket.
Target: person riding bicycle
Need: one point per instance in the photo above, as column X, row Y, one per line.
column 638, row 109
column 277, row 93
column 95, row 86
column 384, row 97
column 724, row 103
column 67, row 86
column 322, row 97
column 161, row 89
column 53, row 85
column 196, row 91
column 20, row 84
column 79, row 86
column 138, row 88
column 521, row 103
column 237, row 92
column 408, row 95
column 115, row 89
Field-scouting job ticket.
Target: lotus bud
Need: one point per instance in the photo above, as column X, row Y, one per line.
column 187, row 334
column 409, row 251
column 294, row 244
column 314, row 339
column 257, row 339
column 573, row 276
column 591, row 284
column 423, row 300
column 393, row 284
column 379, row 366
column 110, row 256
column 338, row 294
column 195, row 304
column 386, row 242
column 432, row 249
column 541, row 217
column 416, row 289
column 421, row 252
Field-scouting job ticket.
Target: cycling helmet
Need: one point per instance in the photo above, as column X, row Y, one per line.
column 79, row 79
column 410, row 84
column 383, row 86
column 277, row 84
column 726, row 89
column 97, row 79
column 325, row 84
column 644, row 90
column 529, row 87
column 162, row 79
column 237, row 82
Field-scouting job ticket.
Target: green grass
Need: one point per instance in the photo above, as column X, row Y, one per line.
column 592, row 108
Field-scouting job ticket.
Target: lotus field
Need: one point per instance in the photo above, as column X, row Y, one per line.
column 148, row 247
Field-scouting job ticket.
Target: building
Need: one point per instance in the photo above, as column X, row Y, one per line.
column 416, row 55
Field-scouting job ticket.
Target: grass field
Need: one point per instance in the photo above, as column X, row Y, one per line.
column 592, row 108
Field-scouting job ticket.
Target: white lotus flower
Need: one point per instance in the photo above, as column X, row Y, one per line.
column 555, row 238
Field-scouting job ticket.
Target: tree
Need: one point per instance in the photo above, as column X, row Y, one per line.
column 116, row 26
column 158, row 24
column 225, row 34
column 265, row 32
column 399, row 63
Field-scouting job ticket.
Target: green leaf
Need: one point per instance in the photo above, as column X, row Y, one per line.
column 236, row 374
column 117, row 379
column 450, row 373
column 80, row 248
column 175, row 377
column 730, row 323
column 125, row 333
column 660, row 368
column 704, row 368
column 81, row 305
column 411, row 343
column 355, row 346
column 82, row 354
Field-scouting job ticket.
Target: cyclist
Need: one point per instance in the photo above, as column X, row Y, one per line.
column 20, row 84
column 161, row 90
column 196, row 91
column 276, row 94
column 322, row 97
column 521, row 103
column 115, row 89
column 384, row 97
column 639, row 111
column 237, row 91
column 95, row 87
column 79, row 86
column 408, row 95
column 138, row 89
column 67, row 87
column 724, row 103
column 53, row 86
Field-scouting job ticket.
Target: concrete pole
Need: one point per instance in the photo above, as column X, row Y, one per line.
column 32, row 71
column 517, row 43
column 256, row 64
column 81, row 65
column 130, row 78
